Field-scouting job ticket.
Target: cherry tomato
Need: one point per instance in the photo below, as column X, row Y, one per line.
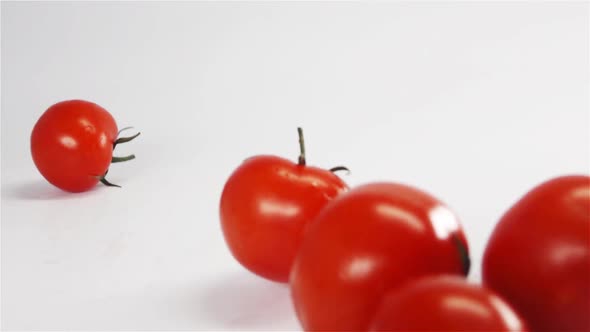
column 445, row 303
column 538, row 257
column 265, row 206
column 367, row 241
column 72, row 144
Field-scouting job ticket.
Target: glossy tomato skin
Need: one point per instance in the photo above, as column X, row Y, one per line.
column 445, row 303
column 72, row 144
column 266, row 204
column 538, row 256
column 367, row 241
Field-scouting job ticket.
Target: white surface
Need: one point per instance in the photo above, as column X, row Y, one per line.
column 475, row 103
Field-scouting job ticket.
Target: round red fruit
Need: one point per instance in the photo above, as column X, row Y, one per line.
column 445, row 303
column 72, row 144
column 366, row 242
column 538, row 257
column 265, row 207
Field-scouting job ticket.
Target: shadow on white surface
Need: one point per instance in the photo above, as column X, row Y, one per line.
column 242, row 301
column 39, row 190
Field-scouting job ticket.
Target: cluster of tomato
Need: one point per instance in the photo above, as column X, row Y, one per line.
column 378, row 257
column 391, row 257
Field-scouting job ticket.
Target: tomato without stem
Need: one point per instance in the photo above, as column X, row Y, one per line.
column 445, row 303
column 72, row 144
column 266, row 204
column 538, row 257
column 367, row 241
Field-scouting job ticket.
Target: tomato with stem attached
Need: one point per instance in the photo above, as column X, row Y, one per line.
column 538, row 256
column 72, row 145
column 366, row 242
column 265, row 206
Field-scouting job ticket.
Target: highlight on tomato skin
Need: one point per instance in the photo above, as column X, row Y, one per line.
column 265, row 206
column 72, row 145
column 538, row 256
column 369, row 241
column 445, row 303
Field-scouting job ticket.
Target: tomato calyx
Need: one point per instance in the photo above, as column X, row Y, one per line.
column 121, row 140
column 463, row 253
column 301, row 161
column 115, row 159
column 103, row 180
column 122, row 159
column 339, row 168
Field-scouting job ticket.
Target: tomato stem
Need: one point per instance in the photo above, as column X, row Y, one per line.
column 124, row 139
column 108, row 184
column 465, row 260
column 301, row 147
column 114, row 159
column 339, row 168
column 103, row 180
column 123, row 129
column 121, row 159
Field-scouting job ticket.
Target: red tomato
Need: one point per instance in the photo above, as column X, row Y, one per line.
column 538, row 257
column 445, row 303
column 366, row 242
column 72, row 144
column 265, row 206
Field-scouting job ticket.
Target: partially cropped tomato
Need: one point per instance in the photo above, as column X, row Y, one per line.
column 366, row 242
column 445, row 303
column 538, row 257
column 72, row 144
column 265, row 206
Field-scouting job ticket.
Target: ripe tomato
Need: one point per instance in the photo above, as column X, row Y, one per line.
column 366, row 242
column 444, row 303
column 265, row 206
column 72, row 144
column 538, row 256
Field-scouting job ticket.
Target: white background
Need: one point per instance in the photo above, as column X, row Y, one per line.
column 475, row 103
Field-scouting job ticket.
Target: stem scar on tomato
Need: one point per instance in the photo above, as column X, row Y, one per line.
column 464, row 254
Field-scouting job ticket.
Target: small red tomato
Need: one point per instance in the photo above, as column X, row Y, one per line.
column 445, row 303
column 538, row 257
column 367, row 241
column 265, row 206
column 72, row 144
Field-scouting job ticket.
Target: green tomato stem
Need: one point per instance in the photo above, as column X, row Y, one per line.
column 103, row 180
column 339, row 168
column 122, row 159
column 301, row 160
column 124, row 140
